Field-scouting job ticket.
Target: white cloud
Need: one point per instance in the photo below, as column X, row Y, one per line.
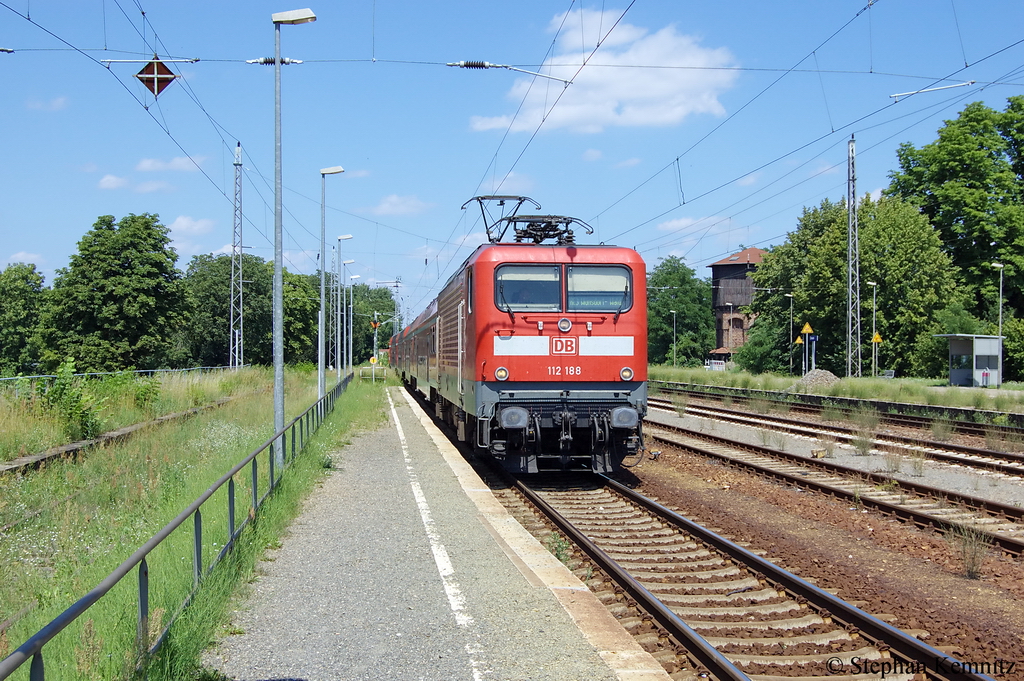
column 704, row 226
column 89, row 168
column 828, row 169
column 611, row 91
column 184, row 224
column 112, row 182
column 592, row 155
column 177, row 163
column 154, row 186
column 748, row 180
column 223, row 250
column 26, row 257
column 472, row 240
column 677, row 224
column 302, row 262
column 393, row 204
column 55, row 104
column 357, row 173
column 513, row 183
column 628, row 163
column 185, row 248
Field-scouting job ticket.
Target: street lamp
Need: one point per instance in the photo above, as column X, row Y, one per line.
column 673, row 337
column 297, row 16
column 351, row 316
column 321, row 374
column 339, row 312
column 874, row 345
column 790, row 296
column 1000, row 365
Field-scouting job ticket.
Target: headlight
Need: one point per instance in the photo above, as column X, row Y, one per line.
column 626, row 374
column 501, row 373
column 514, row 417
column 624, row 417
column 564, row 325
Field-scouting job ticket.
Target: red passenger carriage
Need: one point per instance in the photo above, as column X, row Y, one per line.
column 537, row 353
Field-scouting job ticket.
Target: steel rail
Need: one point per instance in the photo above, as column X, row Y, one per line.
column 887, row 442
column 1008, row 544
column 903, row 643
column 958, row 417
column 696, row 646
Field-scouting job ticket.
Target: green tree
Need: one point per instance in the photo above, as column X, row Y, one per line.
column 671, row 285
column 207, row 284
column 301, row 313
column 919, row 291
column 899, row 250
column 118, row 302
column 969, row 185
column 370, row 300
column 785, row 270
column 1013, row 351
column 764, row 350
column 21, row 299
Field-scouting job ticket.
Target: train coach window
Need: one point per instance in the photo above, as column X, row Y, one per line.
column 599, row 288
column 528, row 288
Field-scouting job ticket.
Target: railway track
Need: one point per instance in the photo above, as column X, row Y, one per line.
column 923, row 505
column 1006, row 463
column 959, row 420
column 706, row 606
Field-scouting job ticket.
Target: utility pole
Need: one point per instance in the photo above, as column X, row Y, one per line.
column 236, row 354
column 853, row 339
column 332, row 314
column 397, row 319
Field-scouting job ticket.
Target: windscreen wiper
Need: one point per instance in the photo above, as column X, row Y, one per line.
column 625, row 293
column 508, row 308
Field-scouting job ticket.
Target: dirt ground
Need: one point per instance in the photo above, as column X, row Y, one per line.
column 912, row 578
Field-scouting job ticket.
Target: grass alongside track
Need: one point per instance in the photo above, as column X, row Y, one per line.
column 28, row 425
column 67, row 526
column 1010, row 397
column 362, row 407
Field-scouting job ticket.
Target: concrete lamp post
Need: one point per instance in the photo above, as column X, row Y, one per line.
column 874, row 345
column 321, row 317
column 999, row 265
column 340, row 316
column 292, row 17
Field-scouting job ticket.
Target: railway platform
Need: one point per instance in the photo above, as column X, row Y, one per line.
column 402, row 565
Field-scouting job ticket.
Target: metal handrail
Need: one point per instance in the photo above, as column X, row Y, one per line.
column 306, row 423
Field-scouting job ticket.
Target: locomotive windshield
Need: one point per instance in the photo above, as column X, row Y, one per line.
column 598, row 289
column 529, row 288
column 538, row 288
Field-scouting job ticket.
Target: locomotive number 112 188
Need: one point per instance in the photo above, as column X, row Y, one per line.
column 564, row 371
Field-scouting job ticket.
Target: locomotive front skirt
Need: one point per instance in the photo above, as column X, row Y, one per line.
column 537, row 354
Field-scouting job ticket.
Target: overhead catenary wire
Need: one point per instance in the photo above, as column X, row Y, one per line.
column 842, row 128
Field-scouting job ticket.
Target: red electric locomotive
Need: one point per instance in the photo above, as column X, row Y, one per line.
column 537, row 352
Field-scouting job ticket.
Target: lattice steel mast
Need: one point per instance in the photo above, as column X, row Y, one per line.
column 236, row 353
column 853, row 344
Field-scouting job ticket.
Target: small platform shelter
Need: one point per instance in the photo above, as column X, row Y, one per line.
column 974, row 361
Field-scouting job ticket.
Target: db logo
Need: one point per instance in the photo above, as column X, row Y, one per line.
column 563, row 346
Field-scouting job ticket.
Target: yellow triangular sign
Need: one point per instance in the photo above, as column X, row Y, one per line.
column 799, row 340
column 877, row 338
column 807, row 328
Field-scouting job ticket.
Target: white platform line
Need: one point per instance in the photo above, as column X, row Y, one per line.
column 456, row 600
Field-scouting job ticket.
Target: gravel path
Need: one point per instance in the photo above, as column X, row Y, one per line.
column 355, row 591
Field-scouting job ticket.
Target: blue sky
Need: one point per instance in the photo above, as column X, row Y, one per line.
column 690, row 129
